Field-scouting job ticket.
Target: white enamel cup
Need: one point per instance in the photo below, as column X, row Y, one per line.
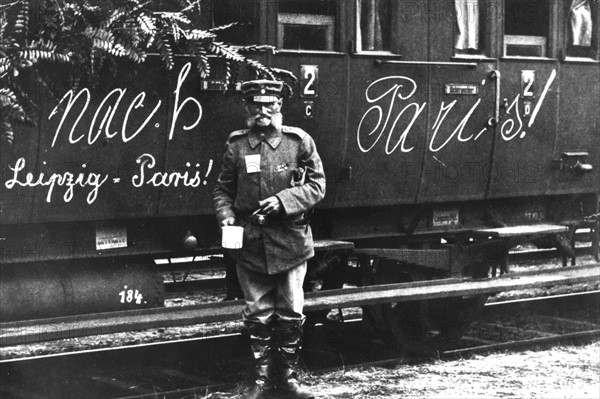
column 233, row 237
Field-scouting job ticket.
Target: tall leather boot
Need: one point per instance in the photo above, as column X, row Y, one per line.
column 261, row 343
column 289, row 341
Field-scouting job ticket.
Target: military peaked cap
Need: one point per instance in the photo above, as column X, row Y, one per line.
column 262, row 91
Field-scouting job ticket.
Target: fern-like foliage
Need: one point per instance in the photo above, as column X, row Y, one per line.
column 22, row 22
column 165, row 50
column 18, row 54
column 90, row 37
column 10, row 105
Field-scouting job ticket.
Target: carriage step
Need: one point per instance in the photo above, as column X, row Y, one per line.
column 332, row 245
column 525, row 230
column 455, row 257
column 513, row 235
column 442, row 258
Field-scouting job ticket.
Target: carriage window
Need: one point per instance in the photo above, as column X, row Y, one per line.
column 580, row 28
column 306, row 25
column 469, row 27
column 374, row 25
column 526, row 27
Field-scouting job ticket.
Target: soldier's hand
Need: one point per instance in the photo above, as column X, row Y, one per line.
column 269, row 206
column 230, row 221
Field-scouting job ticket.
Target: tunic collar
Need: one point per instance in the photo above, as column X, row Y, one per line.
column 273, row 137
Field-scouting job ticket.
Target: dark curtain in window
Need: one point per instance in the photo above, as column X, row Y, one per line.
column 374, row 24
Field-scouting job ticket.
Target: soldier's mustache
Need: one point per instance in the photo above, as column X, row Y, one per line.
column 259, row 115
column 276, row 118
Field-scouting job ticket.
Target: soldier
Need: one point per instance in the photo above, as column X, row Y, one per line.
column 271, row 176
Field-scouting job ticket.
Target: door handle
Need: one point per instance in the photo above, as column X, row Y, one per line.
column 495, row 120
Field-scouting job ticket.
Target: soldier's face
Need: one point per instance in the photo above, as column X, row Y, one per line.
column 262, row 114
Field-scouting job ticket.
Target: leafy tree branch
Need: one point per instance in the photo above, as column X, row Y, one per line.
column 86, row 37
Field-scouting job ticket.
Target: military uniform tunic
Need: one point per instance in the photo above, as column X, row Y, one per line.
column 257, row 166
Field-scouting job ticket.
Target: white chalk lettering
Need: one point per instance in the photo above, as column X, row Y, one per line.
column 70, row 104
column 389, row 99
column 137, row 102
column 542, row 97
column 107, row 117
column 177, row 107
column 72, row 108
column 399, row 84
column 147, row 162
column 459, row 128
column 508, row 129
column 65, row 179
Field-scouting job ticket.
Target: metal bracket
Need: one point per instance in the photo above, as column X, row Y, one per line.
column 575, row 161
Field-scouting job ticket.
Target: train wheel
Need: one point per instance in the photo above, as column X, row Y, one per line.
column 374, row 319
column 325, row 272
column 429, row 326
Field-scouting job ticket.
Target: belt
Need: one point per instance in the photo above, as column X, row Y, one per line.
column 266, row 220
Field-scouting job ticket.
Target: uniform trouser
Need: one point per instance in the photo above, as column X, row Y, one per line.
column 273, row 317
column 273, row 296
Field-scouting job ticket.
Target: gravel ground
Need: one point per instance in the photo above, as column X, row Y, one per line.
column 561, row 372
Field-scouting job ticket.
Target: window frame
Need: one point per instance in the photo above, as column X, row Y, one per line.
column 551, row 50
column 486, row 30
column 272, row 35
column 327, row 21
column 526, row 40
column 393, row 32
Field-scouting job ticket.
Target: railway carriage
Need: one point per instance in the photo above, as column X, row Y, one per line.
column 450, row 130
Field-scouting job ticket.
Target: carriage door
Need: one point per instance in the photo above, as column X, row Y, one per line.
column 421, row 99
column 308, row 36
column 578, row 138
column 529, row 87
column 461, row 99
